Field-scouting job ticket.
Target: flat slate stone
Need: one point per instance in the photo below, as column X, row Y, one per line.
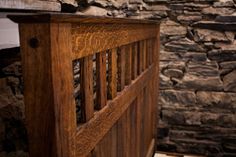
column 222, row 26
column 230, row 19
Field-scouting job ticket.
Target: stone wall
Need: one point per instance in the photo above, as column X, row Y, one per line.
column 198, row 76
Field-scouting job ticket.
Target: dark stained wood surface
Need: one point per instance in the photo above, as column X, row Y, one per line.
column 89, row 38
column 128, row 64
column 112, row 73
column 87, row 137
column 48, row 92
column 121, row 69
column 87, row 103
column 101, row 86
column 134, row 61
column 124, row 123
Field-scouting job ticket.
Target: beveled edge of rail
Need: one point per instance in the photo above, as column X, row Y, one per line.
column 45, row 17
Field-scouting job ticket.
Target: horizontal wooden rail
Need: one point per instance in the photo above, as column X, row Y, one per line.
column 88, row 39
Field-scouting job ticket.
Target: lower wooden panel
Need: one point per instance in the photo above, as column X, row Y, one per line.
column 93, row 131
column 124, row 138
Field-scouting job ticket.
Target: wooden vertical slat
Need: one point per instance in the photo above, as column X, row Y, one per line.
column 148, row 53
column 134, row 60
column 105, row 146
column 114, row 138
column 128, row 132
column 133, row 127
column 121, row 134
column 152, row 42
column 156, row 50
column 112, row 73
column 145, row 123
column 128, row 63
column 121, row 68
column 147, row 118
column 101, row 86
column 144, row 54
column 48, row 89
column 87, row 103
column 150, row 49
column 140, row 57
column 139, row 124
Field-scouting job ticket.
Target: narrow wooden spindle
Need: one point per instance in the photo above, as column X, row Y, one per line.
column 128, row 63
column 112, row 73
column 101, row 88
column 140, row 56
column 152, row 50
column 147, row 53
column 144, row 55
column 138, row 124
column 87, row 103
column 121, row 68
column 134, row 60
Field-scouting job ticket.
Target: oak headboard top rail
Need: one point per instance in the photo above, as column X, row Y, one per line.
column 73, row 18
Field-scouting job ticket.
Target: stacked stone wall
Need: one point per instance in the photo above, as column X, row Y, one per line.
column 197, row 76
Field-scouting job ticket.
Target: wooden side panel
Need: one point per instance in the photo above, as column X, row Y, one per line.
column 86, row 137
column 101, row 86
column 122, row 133
column 134, row 146
column 125, row 124
column 87, row 102
column 108, row 145
column 48, row 89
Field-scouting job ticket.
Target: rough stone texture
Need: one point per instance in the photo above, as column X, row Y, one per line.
column 197, row 112
column 197, row 76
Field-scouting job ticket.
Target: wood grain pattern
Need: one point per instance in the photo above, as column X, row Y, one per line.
column 125, row 124
column 144, row 54
column 112, row 73
column 46, row 71
column 86, row 137
column 140, row 57
column 87, row 102
column 107, row 36
column 134, row 60
column 139, row 124
column 133, row 126
column 104, row 147
column 121, row 69
column 156, row 50
column 128, row 64
column 101, row 85
column 151, row 148
column 121, row 133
